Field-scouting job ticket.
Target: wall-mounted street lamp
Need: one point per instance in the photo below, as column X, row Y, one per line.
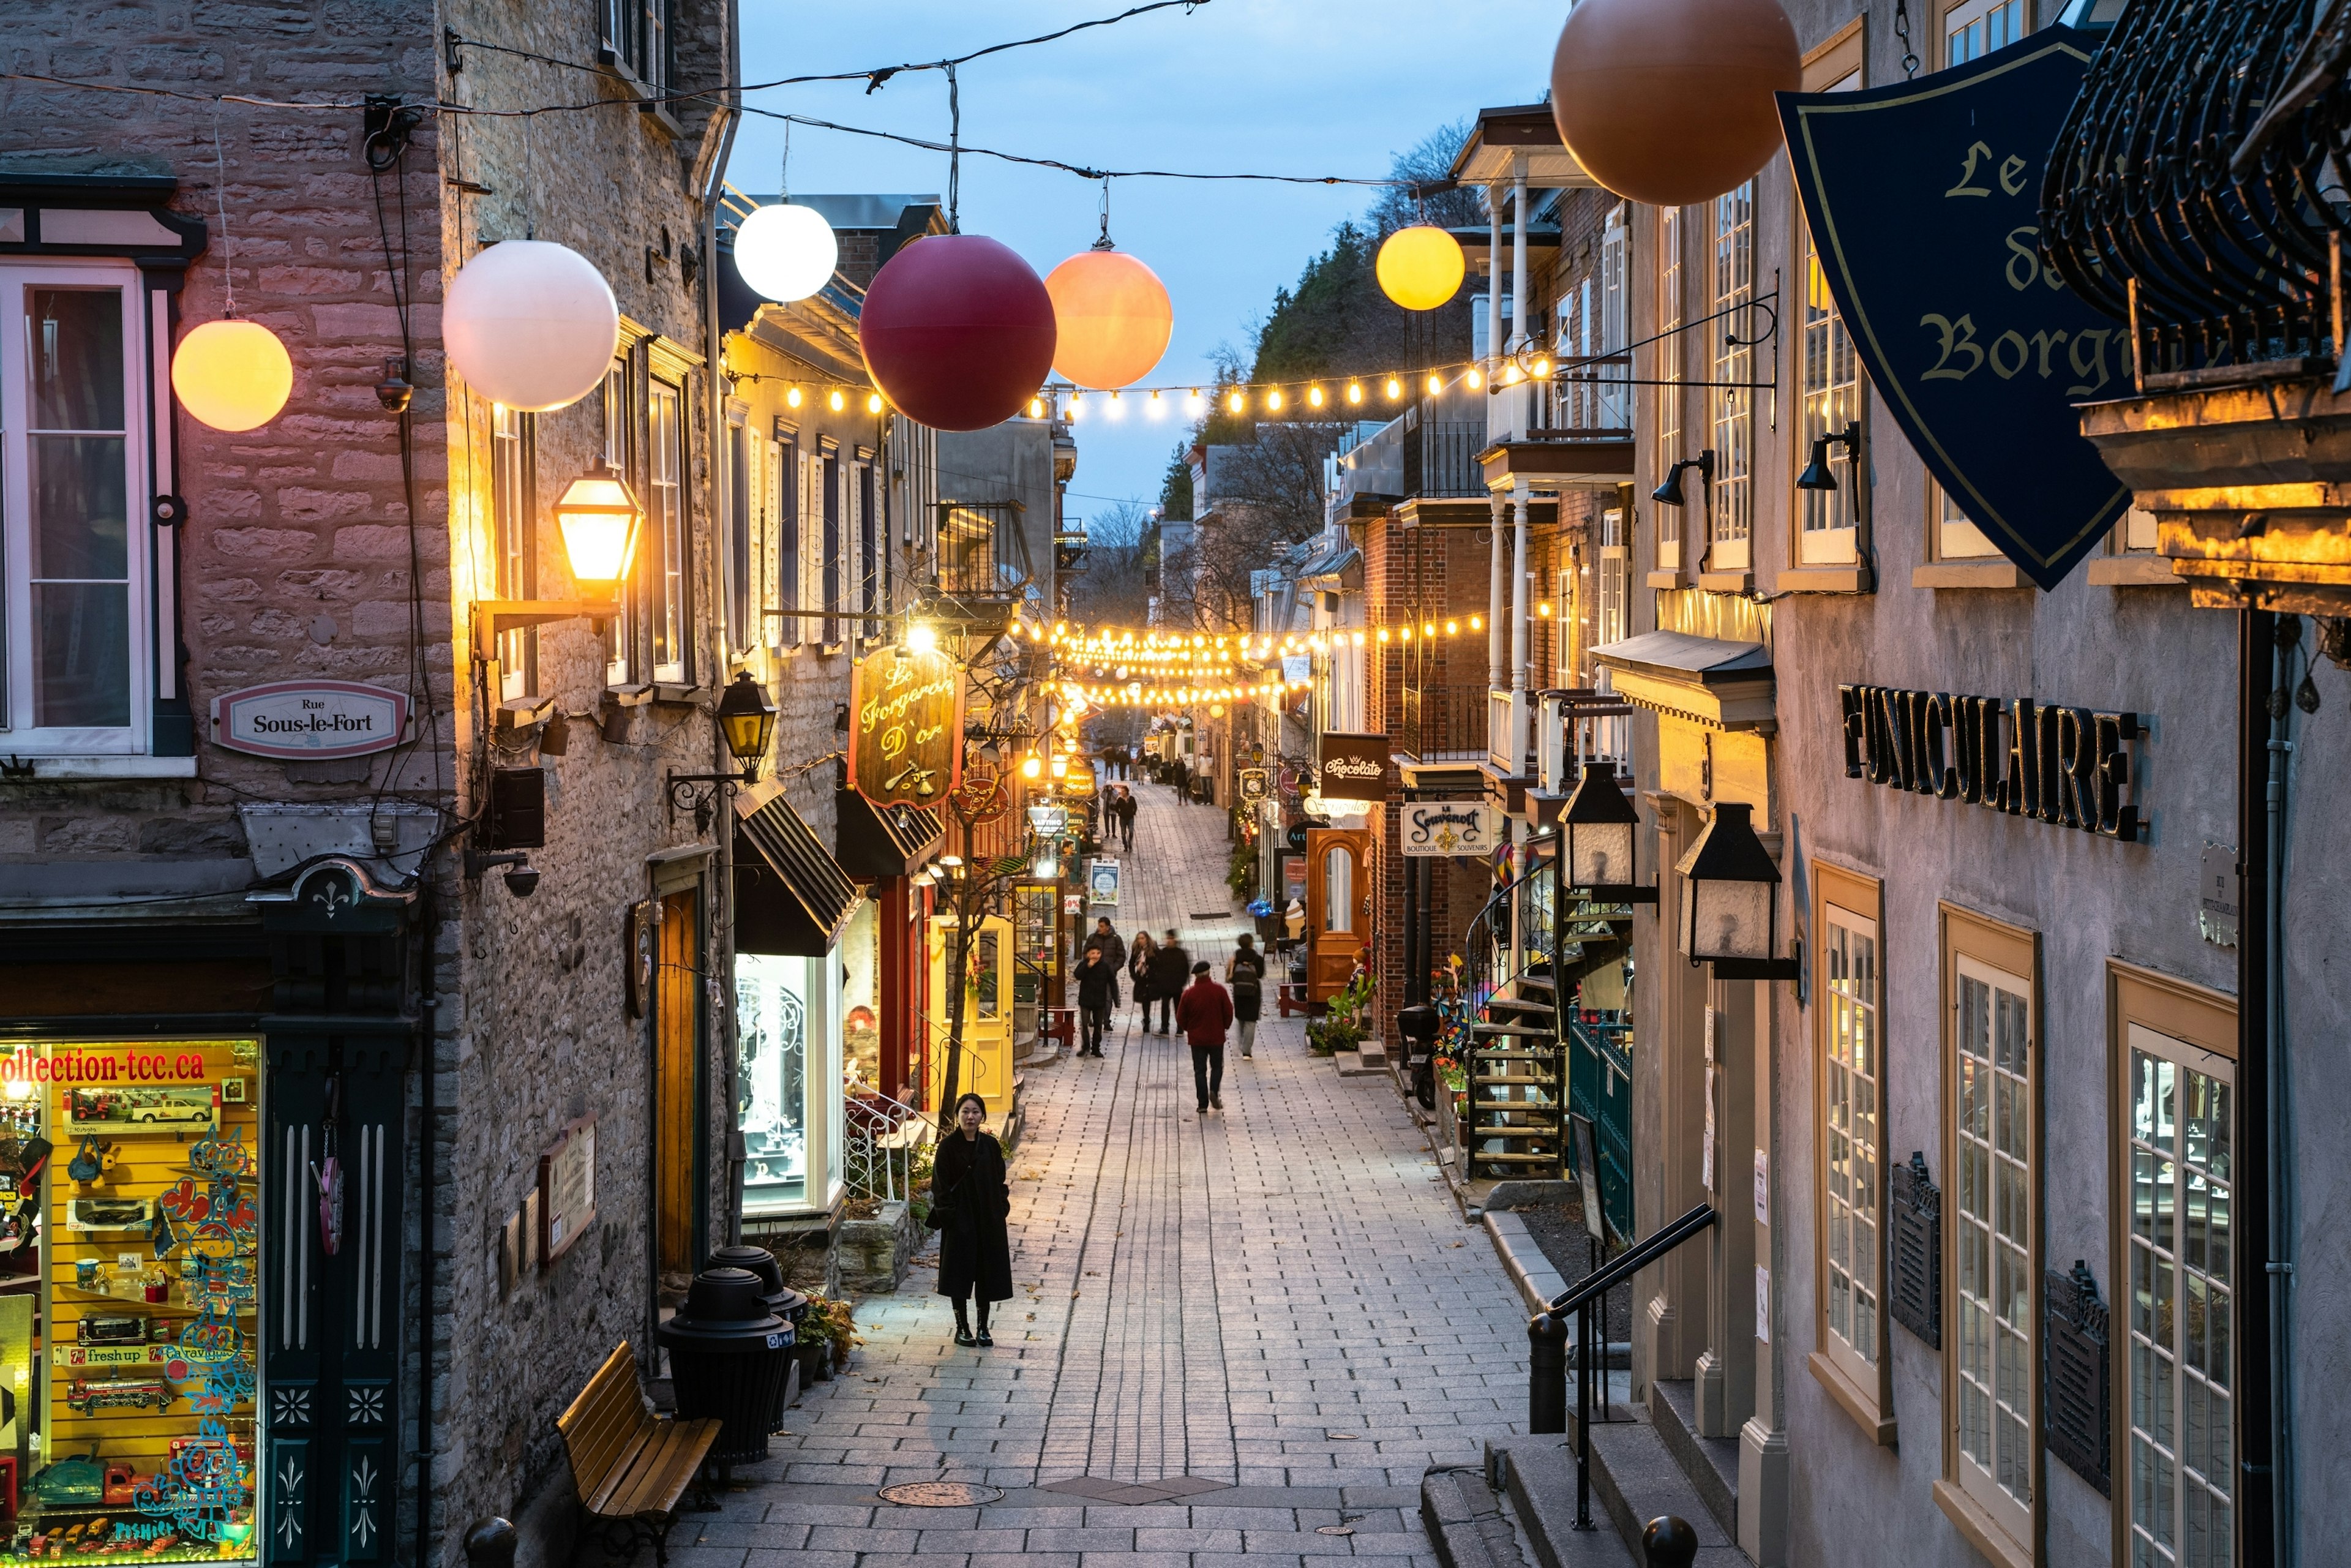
column 1730, row 904
column 599, row 517
column 1598, row 829
column 1669, row 493
column 747, row 722
column 1817, row 474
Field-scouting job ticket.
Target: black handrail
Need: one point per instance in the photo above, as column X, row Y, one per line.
column 1644, row 1253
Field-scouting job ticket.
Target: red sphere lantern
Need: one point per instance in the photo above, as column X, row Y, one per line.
column 1670, row 101
column 957, row 331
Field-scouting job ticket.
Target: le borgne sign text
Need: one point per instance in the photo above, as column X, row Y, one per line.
column 2067, row 765
column 905, row 728
column 1352, row 765
column 1924, row 204
column 311, row 719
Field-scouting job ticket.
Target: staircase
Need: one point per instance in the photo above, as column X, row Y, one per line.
column 1516, row 1065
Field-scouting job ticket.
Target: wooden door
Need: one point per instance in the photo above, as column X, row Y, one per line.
column 677, row 1020
column 1337, row 908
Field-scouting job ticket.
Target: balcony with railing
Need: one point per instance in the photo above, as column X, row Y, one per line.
column 1443, row 723
column 980, row 566
column 1577, row 725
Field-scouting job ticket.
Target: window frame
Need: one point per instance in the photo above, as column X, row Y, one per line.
column 1862, row 1389
column 1672, row 409
column 1961, row 15
column 1730, row 423
column 144, row 563
column 742, row 548
column 621, row 442
column 514, row 541
column 791, row 495
column 869, row 548
column 669, row 587
column 1838, row 64
column 2005, row 1531
column 827, row 535
column 2201, row 1022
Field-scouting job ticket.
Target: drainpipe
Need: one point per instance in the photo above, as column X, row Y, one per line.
column 2280, row 1108
column 428, row 1065
column 724, row 958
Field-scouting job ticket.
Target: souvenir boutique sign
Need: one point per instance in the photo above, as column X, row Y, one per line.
column 311, row 719
column 2067, row 765
column 1450, row 828
column 905, row 730
column 1351, row 766
column 1924, row 202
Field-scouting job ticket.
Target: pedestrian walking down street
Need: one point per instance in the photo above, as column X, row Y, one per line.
column 969, row 1201
column 1138, row 970
column 1245, row 972
column 1097, row 995
column 1106, row 938
column 1125, row 811
column 1205, row 1013
column 1169, row 965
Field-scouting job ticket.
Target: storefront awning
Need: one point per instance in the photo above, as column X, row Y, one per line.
column 879, row 841
column 1709, row 681
column 790, row 896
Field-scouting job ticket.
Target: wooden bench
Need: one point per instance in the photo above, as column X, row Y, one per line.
column 631, row 1467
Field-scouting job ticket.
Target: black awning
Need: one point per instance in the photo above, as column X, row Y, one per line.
column 790, row 896
column 891, row 841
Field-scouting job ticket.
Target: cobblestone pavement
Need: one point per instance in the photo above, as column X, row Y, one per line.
column 1277, row 1301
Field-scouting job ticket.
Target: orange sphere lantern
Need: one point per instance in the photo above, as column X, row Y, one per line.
column 1670, row 101
column 1113, row 315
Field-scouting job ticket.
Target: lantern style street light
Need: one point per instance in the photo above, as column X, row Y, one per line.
column 598, row 515
column 1598, row 829
column 1730, row 900
column 747, row 722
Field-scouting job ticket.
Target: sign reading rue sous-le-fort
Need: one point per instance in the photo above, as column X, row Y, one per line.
column 2070, row 766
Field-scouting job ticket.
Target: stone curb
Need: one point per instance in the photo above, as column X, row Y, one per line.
column 1522, row 1260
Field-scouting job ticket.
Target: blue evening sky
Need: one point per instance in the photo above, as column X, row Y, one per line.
column 1315, row 87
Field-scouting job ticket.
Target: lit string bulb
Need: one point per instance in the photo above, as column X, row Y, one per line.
column 1355, row 392
column 1395, row 387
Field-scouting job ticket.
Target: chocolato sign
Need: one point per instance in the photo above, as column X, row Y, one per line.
column 1352, row 765
column 311, row 719
column 2067, row 765
column 905, row 731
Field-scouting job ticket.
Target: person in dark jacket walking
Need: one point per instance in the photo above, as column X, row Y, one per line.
column 1205, row 1012
column 1097, row 994
column 1106, row 938
column 1124, row 811
column 1170, row 965
column 1245, row 972
column 969, row 1201
column 1138, row 970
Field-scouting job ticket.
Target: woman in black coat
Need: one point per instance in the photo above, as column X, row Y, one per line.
column 969, row 1198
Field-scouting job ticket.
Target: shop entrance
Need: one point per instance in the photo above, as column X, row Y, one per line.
column 985, row 1063
column 677, row 1020
column 1337, row 908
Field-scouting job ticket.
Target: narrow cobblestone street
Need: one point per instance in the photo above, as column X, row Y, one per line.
column 1275, row 1307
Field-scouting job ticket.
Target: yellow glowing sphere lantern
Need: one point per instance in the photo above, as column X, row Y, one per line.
column 232, row 375
column 1420, row 268
column 1113, row 315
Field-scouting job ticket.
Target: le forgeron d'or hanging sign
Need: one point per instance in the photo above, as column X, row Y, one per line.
column 1923, row 203
column 905, row 727
column 2070, row 766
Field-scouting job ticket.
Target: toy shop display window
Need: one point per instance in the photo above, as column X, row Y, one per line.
column 128, row 1264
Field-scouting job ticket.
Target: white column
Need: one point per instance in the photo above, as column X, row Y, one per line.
column 1519, row 502
column 1497, row 604
column 1519, row 252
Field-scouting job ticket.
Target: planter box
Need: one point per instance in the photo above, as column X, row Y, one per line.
column 873, row 1253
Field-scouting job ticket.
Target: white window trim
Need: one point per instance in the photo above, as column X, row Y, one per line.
column 673, row 612
column 1732, row 412
column 1847, row 1357
column 1969, row 12
column 618, row 433
column 1672, row 401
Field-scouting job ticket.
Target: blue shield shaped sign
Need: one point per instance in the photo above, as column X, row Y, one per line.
column 1924, row 200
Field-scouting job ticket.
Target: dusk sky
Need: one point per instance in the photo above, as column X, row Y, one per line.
column 1313, row 87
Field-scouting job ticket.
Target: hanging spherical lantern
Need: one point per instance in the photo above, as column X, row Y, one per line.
column 1670, row 101
column 1420, row 268
column 957, row 331
column 530, row 324
column 786, row 253
column 1112, row 318
column 232, row 375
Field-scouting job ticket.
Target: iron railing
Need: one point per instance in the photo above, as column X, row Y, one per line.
column 1577, row 725
column 2194, row 192
column 883, row 1135
column 1440, row 459
column 983, row 550
column 1444, row 723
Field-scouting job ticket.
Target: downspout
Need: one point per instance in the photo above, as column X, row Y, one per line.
column 2280, row 1109
column 428, row 1069
column 724, row 959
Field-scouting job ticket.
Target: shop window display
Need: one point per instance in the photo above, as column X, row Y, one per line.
column 788, row 1018
column 130, row 1243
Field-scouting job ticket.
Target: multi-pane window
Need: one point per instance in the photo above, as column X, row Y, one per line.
column 1615, row 396
column 1992, row 1237
column 791, row 488
column 1974, row 29
column 665, row 525
column 829, row 561
column 1731, row 284
column 1852, row 1073
column 869, row 547
column 1669, row 373
column 511, row 540
column 620, row 632
column 73, row 657
column 738, row 536
column 1830, row 384
column 637, row 38
column 2181, row 1179
column 1612, row 602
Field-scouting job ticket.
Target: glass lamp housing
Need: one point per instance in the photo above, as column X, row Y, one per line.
column 598, row 515
column 746, row 719
column 1596, row 829
column 1731, row 899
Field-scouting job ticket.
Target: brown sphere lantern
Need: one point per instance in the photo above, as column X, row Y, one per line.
column 1670, row 101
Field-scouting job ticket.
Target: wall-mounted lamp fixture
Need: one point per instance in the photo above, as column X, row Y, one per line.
column 521, row 878
column 747, row 722
column 598, row 515
column 1669, row 493
column 1731, row 904
column 1817, row 474
column 1598, row 828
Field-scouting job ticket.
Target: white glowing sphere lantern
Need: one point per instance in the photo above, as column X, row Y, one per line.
column 530, row 324
column 786, row 253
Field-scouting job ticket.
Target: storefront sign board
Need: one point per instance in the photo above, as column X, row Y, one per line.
column 1924, row 198
column 1253, row 785
column 905, row 727
column 1101, row 882
column 1450, row 828
column 311, row 719
column 566, row 1190
column 1351, row 766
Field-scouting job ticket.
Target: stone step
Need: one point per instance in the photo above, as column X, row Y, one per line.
column 1710, row 1463
column 1636, row 1479
column 1473, row 1526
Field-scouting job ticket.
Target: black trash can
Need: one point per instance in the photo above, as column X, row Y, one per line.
column 728, row 1357
column 782, row 1299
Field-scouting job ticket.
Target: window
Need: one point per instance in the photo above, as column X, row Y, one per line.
column 620, row 630
column 1990, row 1203
column 637, row 39
column 738, row 536
column 512, row 540
column 1830, row 384
column 1615, row 398
column 1608, row 619
column 1730, row 283
column 75, row 651
column 791, row 493
column 1975, row 28
column 1669, row 371
column 829, row 562
column 665, row 525
column 869, row 547
column 1849, row 993
column 2175, row 1049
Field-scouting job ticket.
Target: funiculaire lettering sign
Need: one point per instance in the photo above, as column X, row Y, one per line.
column 2068, row 766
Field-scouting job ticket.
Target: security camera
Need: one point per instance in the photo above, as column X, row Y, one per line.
column 522, row 881
column 521, row 876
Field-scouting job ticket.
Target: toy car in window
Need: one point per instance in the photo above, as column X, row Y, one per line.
column 110, row 1331
column 133, row 1109
column 87, row 1398
column 109, row 1214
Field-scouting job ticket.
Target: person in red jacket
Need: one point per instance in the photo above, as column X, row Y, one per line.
column 1204, row 1014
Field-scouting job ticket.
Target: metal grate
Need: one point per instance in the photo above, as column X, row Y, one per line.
column 1917, row 1262
column 2075, row 1382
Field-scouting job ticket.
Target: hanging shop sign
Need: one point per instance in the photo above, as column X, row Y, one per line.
column 1254, row 787
column 905, row 731
column 1351, row 766
column 311, row 720
column 1048, row 821
column 2070, row 766
column 1450, row 828
column 1924, row 200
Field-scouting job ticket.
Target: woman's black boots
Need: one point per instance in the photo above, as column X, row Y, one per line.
column 963, row 1324
column 984, row 1337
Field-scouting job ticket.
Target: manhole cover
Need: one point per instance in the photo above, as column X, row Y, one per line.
column 940, row 1494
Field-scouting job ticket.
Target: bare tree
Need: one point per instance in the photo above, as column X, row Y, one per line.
column 1430, row 162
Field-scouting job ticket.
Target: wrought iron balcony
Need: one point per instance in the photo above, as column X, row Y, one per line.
column 1443, row 723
